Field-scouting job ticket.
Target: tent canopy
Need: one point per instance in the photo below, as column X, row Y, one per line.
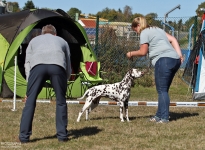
column 12, row 24
column 194, row 72
column 17, row 29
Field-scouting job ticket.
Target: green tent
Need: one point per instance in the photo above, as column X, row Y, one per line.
column 17, row 29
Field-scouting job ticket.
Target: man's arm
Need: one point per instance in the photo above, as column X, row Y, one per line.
column 27, row 61
column 68, row 62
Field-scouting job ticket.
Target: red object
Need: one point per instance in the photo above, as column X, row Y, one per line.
column 203, row 17
column 196, row 60
column 91, row 67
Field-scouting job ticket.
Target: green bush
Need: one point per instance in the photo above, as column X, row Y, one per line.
column 145, row 81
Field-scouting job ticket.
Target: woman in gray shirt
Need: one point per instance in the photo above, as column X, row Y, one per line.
column 165, row 54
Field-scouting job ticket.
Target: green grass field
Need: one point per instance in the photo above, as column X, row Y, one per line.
column 104, row 131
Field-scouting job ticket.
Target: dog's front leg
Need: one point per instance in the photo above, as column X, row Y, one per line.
column 126, row 110
column 88, row 111
column 121, row 111
column 128, row 120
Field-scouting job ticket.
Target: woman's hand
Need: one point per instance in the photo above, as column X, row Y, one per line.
column 138, row 53
column 129, row 54
column 182, row 59
column 25, row 98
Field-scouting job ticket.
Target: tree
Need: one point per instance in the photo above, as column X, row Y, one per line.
column 119, row 10
column 45, row 8
column 72, row 12
column 151, row 17
column 190, row 21
column 112, row 15
column 180, row 25
column 127, row 13
column 16, row 7
column 109, row 14
column 136, row 15
column 29, row 5
column 198, row 11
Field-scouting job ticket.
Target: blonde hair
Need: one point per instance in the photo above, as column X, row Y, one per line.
column 140, row 20
column 49, row 29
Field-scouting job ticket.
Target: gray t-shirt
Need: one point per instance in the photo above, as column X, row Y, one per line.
column 159, row 45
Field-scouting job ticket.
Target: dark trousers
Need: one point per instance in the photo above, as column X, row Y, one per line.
column 38, row 76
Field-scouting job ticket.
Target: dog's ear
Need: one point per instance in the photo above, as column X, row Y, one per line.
column 130, row 70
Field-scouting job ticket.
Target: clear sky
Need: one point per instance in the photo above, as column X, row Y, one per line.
column 161, row 7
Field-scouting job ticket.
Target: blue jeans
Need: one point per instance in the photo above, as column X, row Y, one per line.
column 165, row 69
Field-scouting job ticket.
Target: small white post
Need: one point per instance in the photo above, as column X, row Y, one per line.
column 14, row 98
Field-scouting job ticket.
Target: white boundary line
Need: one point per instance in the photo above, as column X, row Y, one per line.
column 131, row 103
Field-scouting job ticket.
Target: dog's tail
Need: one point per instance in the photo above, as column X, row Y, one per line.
column 83, row 95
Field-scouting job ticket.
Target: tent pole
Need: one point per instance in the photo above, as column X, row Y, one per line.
column 14, row 98
column 96, row 36
column 190, row 39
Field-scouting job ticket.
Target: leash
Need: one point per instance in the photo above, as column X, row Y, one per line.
column 130, row 62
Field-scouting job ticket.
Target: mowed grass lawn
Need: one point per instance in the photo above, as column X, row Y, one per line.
column 104, row 131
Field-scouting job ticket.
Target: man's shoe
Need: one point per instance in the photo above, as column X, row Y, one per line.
column 22, row 142
column 63, row 140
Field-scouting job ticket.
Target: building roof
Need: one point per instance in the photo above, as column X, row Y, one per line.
column 89, row 23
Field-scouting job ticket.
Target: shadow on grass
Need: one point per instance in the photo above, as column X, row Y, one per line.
column 73, row 134
column 101, row 118
column 87, row 131
column 175, row 116
column 44, row 138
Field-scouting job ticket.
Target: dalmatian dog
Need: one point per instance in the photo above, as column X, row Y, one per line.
column 119, row 92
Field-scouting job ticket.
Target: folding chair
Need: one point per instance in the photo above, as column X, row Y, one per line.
column 51, row 93
column 70, row 83
column 49, row 90
column 89, row 80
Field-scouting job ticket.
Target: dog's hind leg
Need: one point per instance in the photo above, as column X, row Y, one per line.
column 86, row 106
column 87, row 111
column 121, row 111
column 93, row 105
